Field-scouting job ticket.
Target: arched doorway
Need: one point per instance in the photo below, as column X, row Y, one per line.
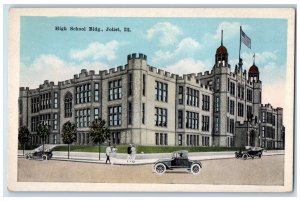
column 252, row 138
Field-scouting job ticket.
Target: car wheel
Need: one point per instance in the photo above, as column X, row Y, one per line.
column 236, row 155
column 44, row 157
column 245, row 156
column 195, row 168
column 160, row 168
column 259, row 156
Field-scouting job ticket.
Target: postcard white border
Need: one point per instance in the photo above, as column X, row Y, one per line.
column 13, row 88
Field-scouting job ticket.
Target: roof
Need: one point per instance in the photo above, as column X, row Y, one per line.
column 221, row 50
column 253, row 69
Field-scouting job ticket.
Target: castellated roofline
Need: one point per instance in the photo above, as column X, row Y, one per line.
column 269, row 106
column 137, row 56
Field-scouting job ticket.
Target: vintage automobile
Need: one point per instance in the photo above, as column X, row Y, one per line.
column 249, row 152
column 179, row 160
column 39, row 153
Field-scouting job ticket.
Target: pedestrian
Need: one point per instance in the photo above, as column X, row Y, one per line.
column 129, row 153
column 108, row 152
column 114, row 154
column 133, row 152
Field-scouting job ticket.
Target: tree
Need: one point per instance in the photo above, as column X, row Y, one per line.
column 69, row 131
column 43, row 132
column 99, row 132
column 24, row 136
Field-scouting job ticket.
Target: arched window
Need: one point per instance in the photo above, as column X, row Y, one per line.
column 68, row 104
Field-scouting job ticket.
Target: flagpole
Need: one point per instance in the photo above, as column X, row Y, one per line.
column 240, row 44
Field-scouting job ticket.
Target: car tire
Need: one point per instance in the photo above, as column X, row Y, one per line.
column 160, row 168
column 195, row 168
column 259, row 156
column 236, row 155
column 44, row 157
column 245, row 156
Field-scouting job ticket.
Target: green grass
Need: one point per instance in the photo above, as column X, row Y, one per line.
column 147, row 149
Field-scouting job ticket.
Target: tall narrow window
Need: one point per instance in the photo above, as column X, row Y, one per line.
column 180, row 119
column 232, row 107
column 264, row 117
column 205, row 123
column 217, row 106
column 217, row 84
column 115, row 116
column 96, row 98
column 96, row 113
column 143, row 113
column 205, row 102
column 249, row 95
column 161, row 91
column 144, row 84
column 68, row 105
column 180, row 95
column 129, row 113
column 55, row 116
column 55, row 100
column 179, row 139
column 192, row 97
column 217, row 125
column 240, row 109
column 161, row 116
column 130, row 84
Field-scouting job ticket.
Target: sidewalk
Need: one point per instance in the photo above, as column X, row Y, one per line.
column 142, row 159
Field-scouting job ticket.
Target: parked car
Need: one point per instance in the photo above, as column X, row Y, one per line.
column 178, row 161
column 249, row 152
column 39, row 153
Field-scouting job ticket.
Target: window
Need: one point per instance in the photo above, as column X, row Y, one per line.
column 205, row 102
column 217, row 125
column 205, row 141
column 96, row 113
column 232, row 88
column 228, row 124
column 232, row 107
column 228, row 84
column 180, row 95
column 240, row 109
column 130, row 83
column 205, row 123
column 161, row 116
column 82, row 118
column 217, row 104
column 249, row 112
column 45, row 101
column 231, row 129
column 34, row 123
column 217, row 84
column 228, row 106
column 96, row 98
column 263, row 131
column 179, row 139
column 45, row 119
column 55, row 100
column 143, row 113
column 192, row 120
column 144, row 84
column 68, row 105
column 55, row 116
column 180, row 119
column 115, row 137
column 193, row 140
column 161, row 91
column 115, row 90
column 249, row 95
column 129, row 113
column 115, row 116
column 241, row 92
column 83, row 93
column 161, row 138
column 35, row 105
column 192, row 97
column 269, row 117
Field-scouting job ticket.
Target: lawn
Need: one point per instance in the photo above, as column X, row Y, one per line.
column 147, row 149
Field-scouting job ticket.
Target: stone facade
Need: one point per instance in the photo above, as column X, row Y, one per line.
column 145, row 105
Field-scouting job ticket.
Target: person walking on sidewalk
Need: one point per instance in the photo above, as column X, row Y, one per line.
column 133, row 152
column 129, row 153
column 108, row 152
column 113, row 155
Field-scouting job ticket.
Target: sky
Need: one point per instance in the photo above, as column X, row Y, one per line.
column 177, row 45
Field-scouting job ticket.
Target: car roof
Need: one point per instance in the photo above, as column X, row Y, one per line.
column 182, row 151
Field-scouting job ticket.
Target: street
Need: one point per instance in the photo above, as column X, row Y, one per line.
column 265, row 171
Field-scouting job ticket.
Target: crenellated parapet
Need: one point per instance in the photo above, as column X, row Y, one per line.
column 136, row 56
column 161, row 73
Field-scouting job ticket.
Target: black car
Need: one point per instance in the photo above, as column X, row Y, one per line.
column 249, row 152
column 179, row 160
column 39, row 153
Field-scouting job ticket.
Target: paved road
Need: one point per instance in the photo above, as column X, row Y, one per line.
column 265, row 171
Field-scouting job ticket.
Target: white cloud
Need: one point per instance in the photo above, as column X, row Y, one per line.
column 185, row 48
column 188, row 65
column 166, row 32
column 230, row 30
column 97, row 50
column 52, row 68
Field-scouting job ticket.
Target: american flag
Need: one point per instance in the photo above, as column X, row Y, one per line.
column 246, row 40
